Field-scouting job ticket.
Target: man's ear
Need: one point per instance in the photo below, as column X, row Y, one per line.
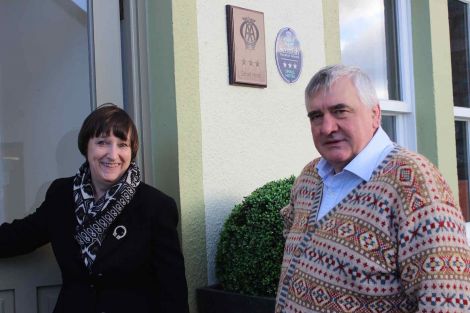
column 376, row 116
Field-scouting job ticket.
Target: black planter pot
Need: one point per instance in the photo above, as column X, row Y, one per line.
column 213, row 299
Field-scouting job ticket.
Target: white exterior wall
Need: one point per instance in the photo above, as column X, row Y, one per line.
column 252, row 135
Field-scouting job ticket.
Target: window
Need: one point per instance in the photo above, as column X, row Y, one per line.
column 461, row 136
column 376, row 36
column 460, row 51
column 389, row 125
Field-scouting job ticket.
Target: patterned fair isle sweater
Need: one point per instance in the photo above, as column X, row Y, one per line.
column 394, row 244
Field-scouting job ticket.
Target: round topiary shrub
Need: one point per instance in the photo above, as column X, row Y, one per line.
column 250, row 249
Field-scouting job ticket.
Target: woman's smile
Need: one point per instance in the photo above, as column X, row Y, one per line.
column 109, row 158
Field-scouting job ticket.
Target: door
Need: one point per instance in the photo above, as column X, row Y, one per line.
column 46, row 90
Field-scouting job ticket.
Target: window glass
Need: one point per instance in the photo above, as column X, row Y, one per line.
column 42, row 105
column 368, row 40
column 389, row 126
column 459, row 45
column 458, row 27
column 461, row 136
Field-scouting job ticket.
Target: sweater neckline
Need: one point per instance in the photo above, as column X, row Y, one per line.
column 313, row 217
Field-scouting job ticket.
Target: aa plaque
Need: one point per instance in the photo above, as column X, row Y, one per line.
column 246, row 47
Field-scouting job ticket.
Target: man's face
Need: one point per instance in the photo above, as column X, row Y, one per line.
column 341, row 124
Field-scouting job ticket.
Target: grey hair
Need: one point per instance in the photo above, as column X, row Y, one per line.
column 327, row 76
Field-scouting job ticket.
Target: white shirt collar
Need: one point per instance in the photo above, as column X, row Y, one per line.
column 365, row 162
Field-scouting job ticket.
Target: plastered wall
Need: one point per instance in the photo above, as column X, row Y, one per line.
column 252, row 135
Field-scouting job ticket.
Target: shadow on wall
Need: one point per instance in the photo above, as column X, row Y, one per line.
column 74, row 10
column 68, row 156
column 68, row 160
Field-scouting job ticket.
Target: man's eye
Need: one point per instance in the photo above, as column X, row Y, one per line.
column 314, row 116
column 340, row 112
column 101, row 142
column 123, row 145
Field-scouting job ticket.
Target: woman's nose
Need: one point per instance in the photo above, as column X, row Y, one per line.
column 112, row 151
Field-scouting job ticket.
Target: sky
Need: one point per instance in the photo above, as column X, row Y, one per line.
column 362, row 29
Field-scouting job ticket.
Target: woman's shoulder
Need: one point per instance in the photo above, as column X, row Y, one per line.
column 153, row 194
column 61, row 185
column 156, row 204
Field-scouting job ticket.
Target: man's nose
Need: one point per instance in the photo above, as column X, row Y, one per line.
column 329, row 124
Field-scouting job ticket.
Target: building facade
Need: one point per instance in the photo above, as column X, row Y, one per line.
column 205, row 142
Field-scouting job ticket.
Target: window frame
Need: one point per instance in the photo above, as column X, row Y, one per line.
column 462, row 114
column 403, row 110
column 399, row 60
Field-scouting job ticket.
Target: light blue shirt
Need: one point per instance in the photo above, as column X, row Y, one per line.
column 337, row 186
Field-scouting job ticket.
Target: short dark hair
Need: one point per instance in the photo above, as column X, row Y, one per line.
column 108, row 118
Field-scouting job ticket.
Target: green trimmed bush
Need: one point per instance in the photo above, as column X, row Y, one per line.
column 250, row 249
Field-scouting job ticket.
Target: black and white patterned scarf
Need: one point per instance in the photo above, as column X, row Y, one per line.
column 93, row 218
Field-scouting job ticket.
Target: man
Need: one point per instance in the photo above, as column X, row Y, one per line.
column 371, row 226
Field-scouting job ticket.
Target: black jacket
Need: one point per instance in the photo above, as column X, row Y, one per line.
column 141, row 272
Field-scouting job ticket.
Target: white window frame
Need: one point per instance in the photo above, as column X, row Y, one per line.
column 404, row 111
column 462, row 114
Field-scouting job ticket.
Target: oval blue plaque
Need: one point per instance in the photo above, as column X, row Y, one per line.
column 288, row 55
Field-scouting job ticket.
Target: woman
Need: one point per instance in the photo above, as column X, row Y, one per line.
column 114, row 237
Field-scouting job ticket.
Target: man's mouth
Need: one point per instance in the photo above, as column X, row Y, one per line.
column 332, row 141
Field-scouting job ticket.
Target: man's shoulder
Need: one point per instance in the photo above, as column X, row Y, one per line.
column 411, row 169
column 311, row 167
column 405, row 157
column 309, row 173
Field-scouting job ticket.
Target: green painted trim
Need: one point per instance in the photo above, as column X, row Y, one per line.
column 190, row 143
column 162, row 96
column 176, row 125
column 433, row 86
column 331, row 31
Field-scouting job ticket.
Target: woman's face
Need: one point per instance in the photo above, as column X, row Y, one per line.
column 109, row 157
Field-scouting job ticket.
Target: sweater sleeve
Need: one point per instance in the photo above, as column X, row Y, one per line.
column 433, row 253
column 27, row 234
column 287, row 212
